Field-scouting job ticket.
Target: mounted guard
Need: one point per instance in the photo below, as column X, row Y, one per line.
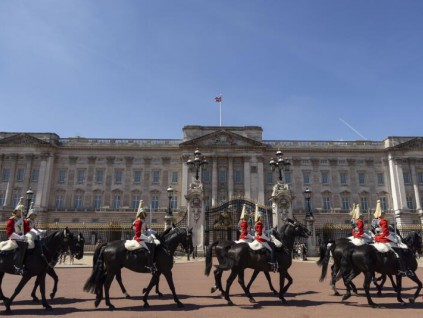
column 16, row 228
column 265, row 241
column 359, row 235
column 138, row 242
column 386, row 242
column 243, row 225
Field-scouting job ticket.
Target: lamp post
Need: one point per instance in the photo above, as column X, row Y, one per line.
column 282, row 164
column 198, row 161
column 170, row 196
column 307, row 195
column 29, row 195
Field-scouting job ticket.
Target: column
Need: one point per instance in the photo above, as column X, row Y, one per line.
column 416, row 188
column 397, row 185
column 247, row 177
column 185, row 182
column 28, row 170
column 43, row 188
column 11, row 182
column 41, row 181
column 214, row 182
column 260, row 181
column 230, row 177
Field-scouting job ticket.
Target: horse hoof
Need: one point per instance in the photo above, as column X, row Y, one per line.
column 111, row 307
column 144, row 290
column 146, row 305
column 336, row 294
column 180, row 305
column 252, row 300
column 213, row 289
column 411, row 300
column 52, row 295
column 35, row 300
column 97, row 302
column 230, row 303
column 402, row 303
column 48, row 308
column 345, row 297
column 128, row 296
column 160, row 294
column 6, row 312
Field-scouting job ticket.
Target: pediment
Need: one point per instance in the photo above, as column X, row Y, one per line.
column 22, row 139
column 412, row 144
column 223, row 138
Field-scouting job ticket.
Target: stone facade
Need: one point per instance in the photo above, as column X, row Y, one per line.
column 102, row 180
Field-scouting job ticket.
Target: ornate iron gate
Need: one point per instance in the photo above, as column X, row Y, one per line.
column 222, row 220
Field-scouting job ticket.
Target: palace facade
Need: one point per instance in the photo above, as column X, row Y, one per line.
column 97, row 180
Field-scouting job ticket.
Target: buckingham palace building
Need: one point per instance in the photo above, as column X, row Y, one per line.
column 102, row 180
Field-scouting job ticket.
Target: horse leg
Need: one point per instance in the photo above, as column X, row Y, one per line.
column 269, row 280
column 399, row 287
column 290, row 280
column 157, row 288
column 8, row 302
column 122, row 288
column 415, row 279
column 242, row 283
column 42, row 279
column 394, row 285
column 334, row 278
column 34, row 291
column 229, row 282
column 109, row 279
column 99, row 291
column 169, row 277
column 253, row 278
column 282, row 274
column 2, row 297
column 367, row 280
column 154, row 280
column 53, row 275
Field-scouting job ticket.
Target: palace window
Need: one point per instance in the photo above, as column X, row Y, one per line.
column 155, row 202
column 97, row 201
column 345, row 203
column 410, row 203
column 78, row 201
column 287, row 177
column 361, row 178
column 326, row 202
column 116, row 201
column 137, row 176
column 35, row 173
column 364, row 204
column 156, row 176
column 238, row 176
column 407, row 178
column 174, row 176
column 325, row 177
column 59, row 202
column 380, row 179
column 20, row 175
column 62, row 176
column 343, row 178
column 118, row 176
column 99, row 176
column 306, row 177
column 6, row 174
column 80, row 176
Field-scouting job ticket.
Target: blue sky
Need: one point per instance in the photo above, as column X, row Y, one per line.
column 302, row 70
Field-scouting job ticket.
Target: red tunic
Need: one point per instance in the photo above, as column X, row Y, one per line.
column 383, row 237
column 244, row 230
column 360, row 229
column 259, row 232
column 10, row 226
column 138, row 230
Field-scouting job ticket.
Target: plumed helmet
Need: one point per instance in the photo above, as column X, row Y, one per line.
column 357, row 212
column 352, row 212
column 378, row 211
column 32, row 211
column 257, row 213
column 140, row 211
column 244, row 212
column 20, row 206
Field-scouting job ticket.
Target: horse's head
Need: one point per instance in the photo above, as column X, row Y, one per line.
column 414, row 242
column 293, row 228
column 186, row 241
column 179, row 236
column 79, row 243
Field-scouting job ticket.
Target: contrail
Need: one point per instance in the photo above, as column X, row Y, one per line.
column 352, row 128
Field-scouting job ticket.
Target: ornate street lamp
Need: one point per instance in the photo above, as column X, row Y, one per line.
column 307, row 195
column 29, row 195
column 170, row 196
column 198, row 161
column 282, row 164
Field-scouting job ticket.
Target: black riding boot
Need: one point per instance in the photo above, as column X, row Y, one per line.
column 19, row 260
column 401, row 265
column 273, row 262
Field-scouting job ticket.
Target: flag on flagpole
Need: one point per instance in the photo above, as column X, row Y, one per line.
column 218, row 99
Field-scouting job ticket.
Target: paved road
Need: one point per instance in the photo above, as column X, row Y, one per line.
column 307, row 297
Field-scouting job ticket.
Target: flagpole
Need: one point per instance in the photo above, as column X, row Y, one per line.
column 220, row 112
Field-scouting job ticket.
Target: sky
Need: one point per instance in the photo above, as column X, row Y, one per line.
column 301, row 70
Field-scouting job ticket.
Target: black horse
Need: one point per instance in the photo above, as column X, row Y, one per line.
column 37, row 261
column 240, row 256
column 113, row 256
column 367, row 260
column 78, row 248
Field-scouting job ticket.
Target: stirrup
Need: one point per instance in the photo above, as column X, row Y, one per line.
column 274, row 266
column 402, row 273
column 19, row 271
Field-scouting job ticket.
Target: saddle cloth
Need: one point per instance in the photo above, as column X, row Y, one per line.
column 11, row 245
column 357, row 241
column 132, row 245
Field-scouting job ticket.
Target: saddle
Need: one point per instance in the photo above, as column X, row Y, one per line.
column 133, row 245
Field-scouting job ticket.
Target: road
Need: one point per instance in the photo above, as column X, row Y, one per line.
column 307, row 297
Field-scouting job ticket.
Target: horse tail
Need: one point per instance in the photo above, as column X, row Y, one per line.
column 325, row 261
column 322, row 252
column 94, row 282
column 209, row 258
column 97, row 252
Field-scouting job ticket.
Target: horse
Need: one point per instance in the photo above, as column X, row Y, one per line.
column 240, row 256
column 78, row 248
column 37, row 261
column 367, row 260
column 113, row 256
